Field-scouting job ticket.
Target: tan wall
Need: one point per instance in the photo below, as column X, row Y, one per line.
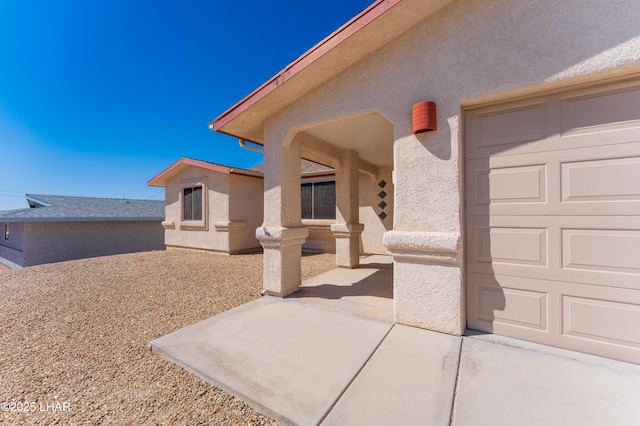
column 470, row 52
column 245, row 205
column 12, row 249
column 217, row 208
column 320, row 238
column 374, row 225
column 232, row 214
column 47, row 242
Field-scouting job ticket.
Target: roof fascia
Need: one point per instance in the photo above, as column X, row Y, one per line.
column 161, row 178
column 79, row 219
column 347, row 30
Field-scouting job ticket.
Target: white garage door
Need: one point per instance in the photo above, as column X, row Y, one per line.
column 553, row 220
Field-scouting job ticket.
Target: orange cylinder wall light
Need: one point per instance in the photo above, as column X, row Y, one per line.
column 424, row 117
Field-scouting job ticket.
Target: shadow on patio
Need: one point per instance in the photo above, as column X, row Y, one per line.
column 366, row 289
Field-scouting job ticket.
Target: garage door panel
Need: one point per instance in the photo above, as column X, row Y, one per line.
column 517, row 124
column 601, row 321
column 601, row 110
column 496, row 302
column 601, row 180
column 600, row 250
column 522, row 246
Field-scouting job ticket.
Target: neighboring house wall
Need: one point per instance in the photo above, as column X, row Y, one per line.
column 182, row 234
column 232, row 211
column 13, row 248
column 470, row 52
column 245, row 212
column 47, row 242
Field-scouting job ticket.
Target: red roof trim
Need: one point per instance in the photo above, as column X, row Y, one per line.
column 334, row 39
column 202, row 164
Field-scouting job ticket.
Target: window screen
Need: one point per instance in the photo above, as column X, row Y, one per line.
column 319, row 200
column 192, row 203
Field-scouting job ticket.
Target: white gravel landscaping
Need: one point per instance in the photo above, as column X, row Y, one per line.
column 74, row 337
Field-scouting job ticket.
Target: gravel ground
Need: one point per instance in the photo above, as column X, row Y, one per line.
column 74, row 337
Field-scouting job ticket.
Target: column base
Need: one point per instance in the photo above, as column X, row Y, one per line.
column 347, row 243
column 282, row 255
column 428, row 287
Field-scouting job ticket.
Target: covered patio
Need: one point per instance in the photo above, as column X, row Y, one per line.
column 360, row 150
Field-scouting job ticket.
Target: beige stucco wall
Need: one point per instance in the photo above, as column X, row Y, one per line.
column 320, row 238
column 47, row 242
column 217, row 210
column 374, row 226
column 233, row 211
column 245, row 209
column 12, row 249
column 470, row 52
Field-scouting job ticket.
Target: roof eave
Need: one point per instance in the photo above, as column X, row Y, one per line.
column 319, row 56
column 80, row 219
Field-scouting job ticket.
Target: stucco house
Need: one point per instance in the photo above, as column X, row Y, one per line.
column 516, row 176
column 217, row 208
column 210, row 206
column 56, row 228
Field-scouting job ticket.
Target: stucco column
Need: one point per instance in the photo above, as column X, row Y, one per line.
column 347, row 228
column 426, row 242
column 282, row 234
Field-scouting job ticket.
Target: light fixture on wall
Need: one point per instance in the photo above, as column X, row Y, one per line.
column 424, row 117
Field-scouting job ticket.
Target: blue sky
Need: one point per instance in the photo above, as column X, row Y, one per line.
column 97, row 97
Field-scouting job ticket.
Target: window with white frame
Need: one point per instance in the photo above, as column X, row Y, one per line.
column 318, row 200
column 6, row 231
column 192, row 203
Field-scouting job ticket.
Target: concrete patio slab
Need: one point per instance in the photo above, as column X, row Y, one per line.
column 289, row 358
column 509, row 382
column 366, row 289
column 410, row 380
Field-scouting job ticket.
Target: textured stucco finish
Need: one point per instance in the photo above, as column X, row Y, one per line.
column 374, row 226
column 47, row 242
column 320, row 238
column 245, row 205
column 233, row 210
column 12, row 249
column 347, row 228
column 468, row 53
column 282, row 233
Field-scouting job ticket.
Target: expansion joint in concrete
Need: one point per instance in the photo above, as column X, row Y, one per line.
column 364, row 364
column 455, row 386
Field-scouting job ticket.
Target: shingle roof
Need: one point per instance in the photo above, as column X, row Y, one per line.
column 58, row 208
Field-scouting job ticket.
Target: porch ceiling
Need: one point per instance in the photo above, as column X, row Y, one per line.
column 371, row 136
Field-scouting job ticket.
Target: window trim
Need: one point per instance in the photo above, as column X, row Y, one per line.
column 202, row 224
column 6, row 231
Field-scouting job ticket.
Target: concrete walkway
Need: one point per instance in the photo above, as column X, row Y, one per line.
column 312, row 360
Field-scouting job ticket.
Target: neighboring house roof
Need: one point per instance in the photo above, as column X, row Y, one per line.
column 367, row 32
column 183, row 163
column 59, row 208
